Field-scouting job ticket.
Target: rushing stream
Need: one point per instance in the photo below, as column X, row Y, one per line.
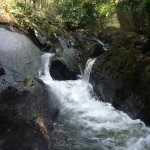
column 91, row 124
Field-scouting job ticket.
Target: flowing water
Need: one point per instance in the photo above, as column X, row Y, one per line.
column 89, row 123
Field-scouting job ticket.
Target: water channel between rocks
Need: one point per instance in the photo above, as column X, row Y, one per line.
column 91, row 124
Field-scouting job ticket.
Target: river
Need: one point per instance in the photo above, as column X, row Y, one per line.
column 89, row 123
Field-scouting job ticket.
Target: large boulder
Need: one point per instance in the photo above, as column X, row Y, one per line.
column 118, row 38
column 60, row 71
column 72, row 53
column 121, row 76
column 64, row 64
column 26, row 117
column 27, row 109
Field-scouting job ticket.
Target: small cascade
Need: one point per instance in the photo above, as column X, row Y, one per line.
column 88, row 68
column 91, row 124
column 45, row 61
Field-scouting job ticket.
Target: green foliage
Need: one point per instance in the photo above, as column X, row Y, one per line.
column 90, row 15
column 76, row 14
column 83, row 14
column 105, row 8
column 23, row 8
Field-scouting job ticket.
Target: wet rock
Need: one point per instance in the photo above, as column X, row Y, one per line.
column 65, row 64
column 27, row 109
column 25, row 118
column 40, row 41
column 97, row 51
column 60, row 71
column 72, row 53
column 118, row 39
column 121, row 77
column 85, row 47
column 143, row 44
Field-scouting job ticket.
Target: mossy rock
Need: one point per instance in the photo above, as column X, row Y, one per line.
column 121, row 76
column 134, row 15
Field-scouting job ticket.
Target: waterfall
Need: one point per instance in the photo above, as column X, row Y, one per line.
column 91, row 124
column 88, row 68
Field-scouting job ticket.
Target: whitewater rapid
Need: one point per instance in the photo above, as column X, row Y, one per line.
column 92, row 124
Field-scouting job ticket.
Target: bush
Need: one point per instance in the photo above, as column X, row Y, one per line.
column 90, row 15
column 83, row 14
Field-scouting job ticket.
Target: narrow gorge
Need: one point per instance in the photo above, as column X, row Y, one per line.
column 74, row 75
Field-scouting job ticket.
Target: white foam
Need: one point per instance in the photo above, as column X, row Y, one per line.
column 88, row 68
column 84, row 110
column 139, row 144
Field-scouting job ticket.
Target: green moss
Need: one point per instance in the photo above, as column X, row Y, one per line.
column 118, row 38
column 23, row 8
column 125, row 63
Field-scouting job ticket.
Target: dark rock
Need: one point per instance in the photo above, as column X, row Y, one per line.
column 121, row 77
column 144, row 45
column 98, row 50
column 27, row 109
column 55, row 114
column 84, row 48
column 2, row 71
column 19, row 113
column 40, row 41
column 60, row 71
column 118, row 39
column 72, row 53
column 65, row 64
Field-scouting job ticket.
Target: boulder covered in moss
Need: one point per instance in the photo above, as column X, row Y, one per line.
column 117, row 38
column 121, row 76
